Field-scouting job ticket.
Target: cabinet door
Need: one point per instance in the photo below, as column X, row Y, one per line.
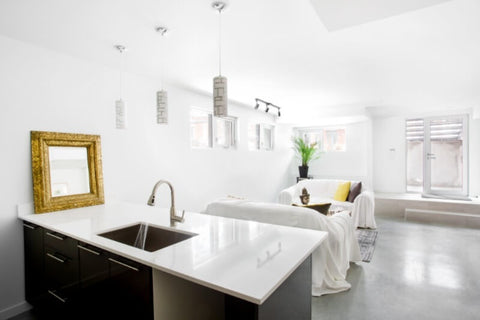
column 34, row 269
column 93, row 264
column 61, row 272
column 62, row 244
column 130, row 288
column 61, row 267
column 93, row 270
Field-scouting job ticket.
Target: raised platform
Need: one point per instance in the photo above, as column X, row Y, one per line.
column 430, row 210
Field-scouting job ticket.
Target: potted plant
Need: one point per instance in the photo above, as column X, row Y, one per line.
column 306, row 152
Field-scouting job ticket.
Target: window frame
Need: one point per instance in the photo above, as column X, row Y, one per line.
column 426, row 152
column 233, row 132
column 213, row 130
column 209, row 124
column 260, row 137
column 320, row 131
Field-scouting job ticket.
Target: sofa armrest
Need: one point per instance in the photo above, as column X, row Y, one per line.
column 365, row 196
column 286, row 195
column 364, row 208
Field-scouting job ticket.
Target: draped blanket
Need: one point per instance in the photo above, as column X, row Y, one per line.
column 330, row 261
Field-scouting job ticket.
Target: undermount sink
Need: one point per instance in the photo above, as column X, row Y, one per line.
column 146, row 237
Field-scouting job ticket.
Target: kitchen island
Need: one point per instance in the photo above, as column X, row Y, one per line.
column 226, row 269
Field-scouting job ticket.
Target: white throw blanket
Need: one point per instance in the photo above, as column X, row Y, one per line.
column 330, row 261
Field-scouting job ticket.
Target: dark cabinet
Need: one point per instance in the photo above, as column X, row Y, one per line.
column 61, row 271
column 68, row 279
column 93, row 263
column 130, row 286
column 34, row 268
column 94, row 274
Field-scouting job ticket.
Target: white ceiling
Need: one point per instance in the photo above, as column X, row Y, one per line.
column 339, row 14
column 277, row 50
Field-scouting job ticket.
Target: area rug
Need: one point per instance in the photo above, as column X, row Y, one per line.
column 366, row 240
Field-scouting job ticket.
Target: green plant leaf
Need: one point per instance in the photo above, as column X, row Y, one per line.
column 307, row 152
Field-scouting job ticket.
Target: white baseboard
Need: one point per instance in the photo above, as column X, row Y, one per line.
column 14, row 310
column 448, row 213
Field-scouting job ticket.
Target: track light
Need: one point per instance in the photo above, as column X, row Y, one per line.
column 268, row 105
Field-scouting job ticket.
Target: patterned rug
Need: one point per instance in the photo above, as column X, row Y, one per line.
column 366, row 240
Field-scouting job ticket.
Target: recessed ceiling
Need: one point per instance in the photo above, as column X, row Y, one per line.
column 279, row 51
column 339, row 14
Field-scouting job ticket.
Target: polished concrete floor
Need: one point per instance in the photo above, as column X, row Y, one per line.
column 418, row 271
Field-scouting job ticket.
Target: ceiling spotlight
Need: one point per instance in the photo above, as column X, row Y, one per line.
column 268, row 105
column 161, row 30
column 120, row 48
column 219, row 5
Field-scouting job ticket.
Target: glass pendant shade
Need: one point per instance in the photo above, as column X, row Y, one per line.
column 162, row 107
column 120, row 115
column 220, row 107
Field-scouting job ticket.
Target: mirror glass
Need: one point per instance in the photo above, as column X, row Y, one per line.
column 68, row 171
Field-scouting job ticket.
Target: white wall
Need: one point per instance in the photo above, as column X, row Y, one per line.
column 352, row 164
column 43, row 90
column 389, row 158
column 474, row 156
column 389, row 154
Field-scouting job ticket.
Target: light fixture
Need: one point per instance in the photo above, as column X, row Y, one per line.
column 220, row 98
column 162, row 96
column 268, row 105
column 120, row 109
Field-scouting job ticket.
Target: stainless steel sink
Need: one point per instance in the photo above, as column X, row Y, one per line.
column 146, row 237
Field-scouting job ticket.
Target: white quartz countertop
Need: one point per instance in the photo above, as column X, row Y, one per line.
column 245, row 259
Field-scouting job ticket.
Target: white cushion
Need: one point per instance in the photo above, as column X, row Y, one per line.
column 321, row 188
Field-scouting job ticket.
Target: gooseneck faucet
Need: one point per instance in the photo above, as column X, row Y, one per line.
column 151, row 201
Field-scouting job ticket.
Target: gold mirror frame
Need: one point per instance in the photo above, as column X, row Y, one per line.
column 44, row 202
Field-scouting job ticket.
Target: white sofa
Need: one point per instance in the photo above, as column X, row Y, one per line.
column 323, row 190
column 330, row 261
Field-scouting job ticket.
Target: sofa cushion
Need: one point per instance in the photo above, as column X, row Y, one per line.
column 319, row 187
column 355, row 190
column 342, row 191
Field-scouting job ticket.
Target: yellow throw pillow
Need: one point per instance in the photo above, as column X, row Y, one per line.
column 342, row 191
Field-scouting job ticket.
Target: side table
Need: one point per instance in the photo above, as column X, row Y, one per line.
column 300, row 179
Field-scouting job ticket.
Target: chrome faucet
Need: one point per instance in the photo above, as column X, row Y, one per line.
column 151, row 201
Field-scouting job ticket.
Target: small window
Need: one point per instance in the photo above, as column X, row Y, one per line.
column 327, row 139
column 334, row 140
column 314, row 136
column 261, row 137
column 200, row 129
column 266, row 136
column 225, row 132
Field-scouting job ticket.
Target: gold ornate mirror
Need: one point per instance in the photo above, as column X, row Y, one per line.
column 67, row 170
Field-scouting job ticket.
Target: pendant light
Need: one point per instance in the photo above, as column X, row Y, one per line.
column 162, row 97
column 220, row 99
column 120, row 109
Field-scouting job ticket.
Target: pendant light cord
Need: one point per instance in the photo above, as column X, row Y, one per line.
column 161, row 65
column 122, row 66
column 220, row 42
